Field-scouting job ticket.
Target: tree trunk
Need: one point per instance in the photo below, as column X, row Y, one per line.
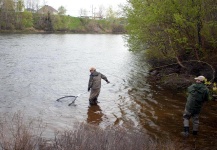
column 175, row 53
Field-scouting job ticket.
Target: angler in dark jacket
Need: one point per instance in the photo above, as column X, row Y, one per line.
column 198, row 93
column 94, row 85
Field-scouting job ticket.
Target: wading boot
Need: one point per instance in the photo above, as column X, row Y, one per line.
column 96, row 100
column 91, row 102
column 186, row 132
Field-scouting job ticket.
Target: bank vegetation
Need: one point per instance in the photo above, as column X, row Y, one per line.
column 14, row 17
column 19, row 133
column 178, row 37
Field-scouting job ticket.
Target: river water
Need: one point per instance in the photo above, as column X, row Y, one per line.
column 37, row 69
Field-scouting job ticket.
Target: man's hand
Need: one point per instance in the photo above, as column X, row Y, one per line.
column 88, row 89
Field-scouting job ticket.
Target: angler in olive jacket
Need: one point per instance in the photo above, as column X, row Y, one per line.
column 198, row 93
column 95, row 85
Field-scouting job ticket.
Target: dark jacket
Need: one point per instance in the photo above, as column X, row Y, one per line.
column 95, row 80
column 197, row 94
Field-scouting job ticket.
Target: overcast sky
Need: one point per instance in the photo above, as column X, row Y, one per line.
column 73, row 7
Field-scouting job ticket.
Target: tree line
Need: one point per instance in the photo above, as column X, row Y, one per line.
column 20, row 15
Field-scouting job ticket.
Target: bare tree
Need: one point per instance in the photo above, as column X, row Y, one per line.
column 19, row 5
column 37, row 2
column 32, row 4
column 120, row 11
column 101, row 11
column 61, row 10
column 83, row 12
column 111, row 14
column 28, row 3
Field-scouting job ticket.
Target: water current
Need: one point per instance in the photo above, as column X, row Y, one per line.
column 37, row 69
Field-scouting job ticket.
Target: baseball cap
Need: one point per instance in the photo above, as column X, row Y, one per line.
column 200, row 78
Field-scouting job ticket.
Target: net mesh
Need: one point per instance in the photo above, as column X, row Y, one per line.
column 67, row 99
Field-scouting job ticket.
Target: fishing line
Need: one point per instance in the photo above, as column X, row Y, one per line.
column 105, row 73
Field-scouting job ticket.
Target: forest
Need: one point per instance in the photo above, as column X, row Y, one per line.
column 178, row 37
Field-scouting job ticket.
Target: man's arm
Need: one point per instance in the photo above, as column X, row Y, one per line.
column 104, row 78
column 90, row 83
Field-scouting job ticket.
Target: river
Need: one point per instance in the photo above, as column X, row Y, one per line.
column 37, row 69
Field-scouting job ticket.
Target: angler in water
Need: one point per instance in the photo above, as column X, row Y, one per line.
column 198, row 93
column 94, row 85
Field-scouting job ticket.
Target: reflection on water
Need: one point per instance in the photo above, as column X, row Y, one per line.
column 94, row 115
column 38, row 69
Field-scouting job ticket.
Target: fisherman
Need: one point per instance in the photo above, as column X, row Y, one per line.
column 198, row 93
column 94, row 85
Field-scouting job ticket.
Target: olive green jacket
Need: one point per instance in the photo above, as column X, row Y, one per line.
column 198, row 93
column 95, row 80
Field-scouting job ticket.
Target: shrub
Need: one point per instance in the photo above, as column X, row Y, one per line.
column 90, row 137
column 17, row 134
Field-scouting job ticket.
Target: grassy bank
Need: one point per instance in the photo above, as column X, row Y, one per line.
column 27, row 22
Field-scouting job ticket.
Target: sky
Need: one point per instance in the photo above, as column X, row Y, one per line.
column 73, row 7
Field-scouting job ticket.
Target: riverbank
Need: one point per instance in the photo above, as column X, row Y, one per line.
column 36, row 31
column 45, row 23
column 18, row 133
column 177, row 78
column 25, row 31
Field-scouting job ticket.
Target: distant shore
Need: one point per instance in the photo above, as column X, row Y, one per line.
column 35, row 31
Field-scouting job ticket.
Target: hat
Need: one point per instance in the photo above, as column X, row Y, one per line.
column 200, row 78
column 92, row 69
